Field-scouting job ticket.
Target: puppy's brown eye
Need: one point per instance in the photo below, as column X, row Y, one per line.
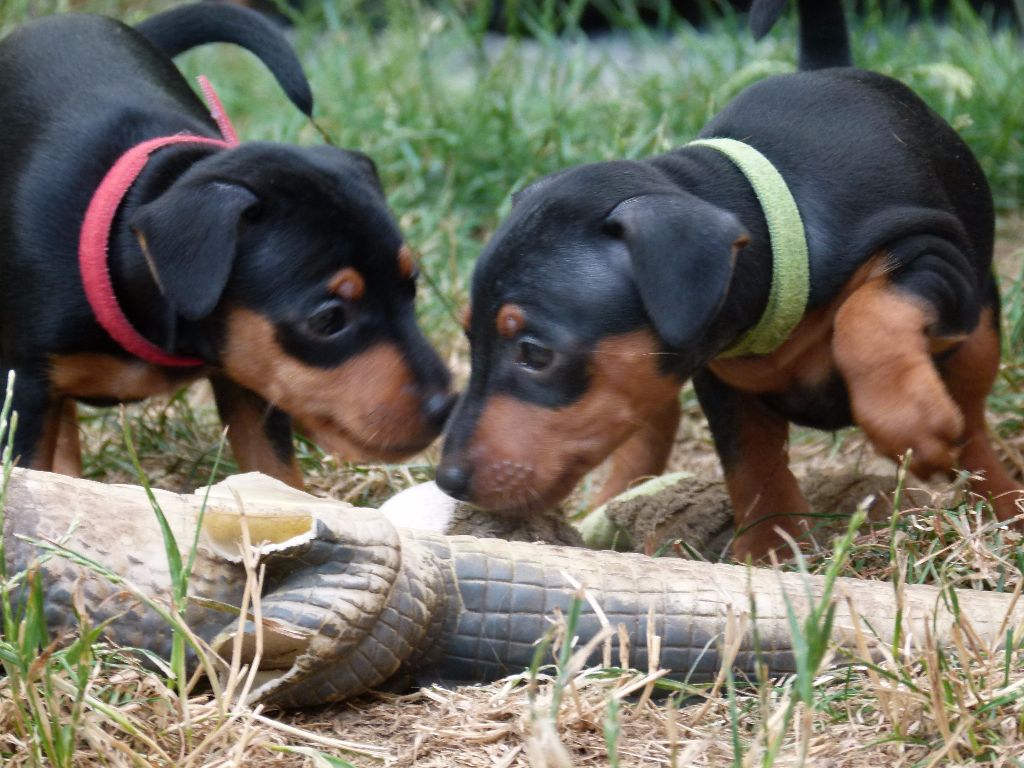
column 533, row 356
column 329, row 319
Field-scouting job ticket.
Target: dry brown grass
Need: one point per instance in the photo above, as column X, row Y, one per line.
column 149, row 728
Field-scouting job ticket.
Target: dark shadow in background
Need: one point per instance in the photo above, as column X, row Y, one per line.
column 520, row 17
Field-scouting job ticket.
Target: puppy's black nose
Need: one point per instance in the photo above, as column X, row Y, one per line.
column 437, row 408
column 454, row 479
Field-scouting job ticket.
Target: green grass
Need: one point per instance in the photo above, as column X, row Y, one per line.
column 52, row 681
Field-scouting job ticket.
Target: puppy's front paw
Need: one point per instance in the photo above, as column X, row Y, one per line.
column 910, row 410
column 755, row 546
column 757, row 543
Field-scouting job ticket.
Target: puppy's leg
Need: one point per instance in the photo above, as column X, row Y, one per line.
column 883, row 349
column 969, row 373
column 644, row 454
column 752, row 443
column 260, row 434
column 38, row 419
column 67, row 454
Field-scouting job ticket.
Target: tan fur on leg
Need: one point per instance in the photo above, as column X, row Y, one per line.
column 644, row 454
column 67, row 454
column 882, row 349
column 969, row 374
column 764, row 493
column 42, row 457
column 253, row 450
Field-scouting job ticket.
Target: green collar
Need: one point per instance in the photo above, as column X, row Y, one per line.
column 787, row 298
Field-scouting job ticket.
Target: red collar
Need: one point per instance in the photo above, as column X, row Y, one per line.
column 94, row 240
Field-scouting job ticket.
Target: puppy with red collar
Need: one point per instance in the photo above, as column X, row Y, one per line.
column 821, row 255
column 141, row 247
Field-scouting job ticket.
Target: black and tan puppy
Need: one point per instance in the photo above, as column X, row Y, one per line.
column 278, row 272
column 611, row 284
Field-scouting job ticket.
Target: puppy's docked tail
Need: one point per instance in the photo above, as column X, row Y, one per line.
column 824, row 40
column 188, row 26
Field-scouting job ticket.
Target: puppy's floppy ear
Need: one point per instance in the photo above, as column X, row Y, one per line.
column 367, row 167
column 537, row 185
column 344, row 161
column 682, row 251
column 189, row 235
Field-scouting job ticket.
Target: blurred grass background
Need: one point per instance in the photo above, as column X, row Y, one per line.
column 457, row 118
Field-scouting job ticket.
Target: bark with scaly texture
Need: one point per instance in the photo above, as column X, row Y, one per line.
column 351, row 603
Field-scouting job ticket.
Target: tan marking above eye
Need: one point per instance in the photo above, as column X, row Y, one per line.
column 348, row 284
column 466, row 318
column 406, row 263
column 510, row 320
